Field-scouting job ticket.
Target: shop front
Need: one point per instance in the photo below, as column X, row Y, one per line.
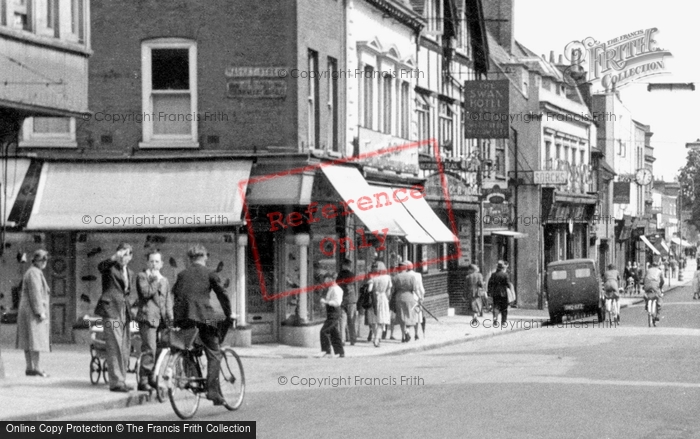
column 81, row 211
column 305, row 221
column 463, row 193
column 566, row 226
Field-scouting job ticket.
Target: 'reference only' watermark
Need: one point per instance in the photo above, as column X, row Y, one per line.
column 350, row 381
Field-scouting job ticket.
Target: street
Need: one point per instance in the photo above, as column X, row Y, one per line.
column 579, row 379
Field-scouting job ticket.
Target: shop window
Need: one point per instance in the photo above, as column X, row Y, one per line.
column 48, row 132
column 169, row 86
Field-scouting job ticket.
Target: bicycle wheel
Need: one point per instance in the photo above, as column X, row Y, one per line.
column 161, row 375
column 95, row 370
column 184, row 389
column 232, row 379
column 104, row 370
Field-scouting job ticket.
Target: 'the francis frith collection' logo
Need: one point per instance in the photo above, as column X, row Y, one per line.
column 620, row 61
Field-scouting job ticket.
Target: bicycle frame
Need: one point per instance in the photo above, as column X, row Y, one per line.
column 651, row 308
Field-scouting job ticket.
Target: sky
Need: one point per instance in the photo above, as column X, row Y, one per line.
column 549, row 25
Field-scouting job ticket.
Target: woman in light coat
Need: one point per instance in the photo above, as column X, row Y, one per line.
column 33, row 317
column 379, row 285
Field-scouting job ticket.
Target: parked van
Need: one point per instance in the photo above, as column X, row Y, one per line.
column 574, row 287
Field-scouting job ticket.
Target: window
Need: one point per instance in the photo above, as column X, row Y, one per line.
column 573, row 156
column 52, row 17
column 446, row 125
column 169, row 86
column 404, row 115
column 559, row 275
column 423, row 116
column 623, row 149
column 48, row 132
column 3, row 12
column 434, row 16
column 566, row 153
column 500, row 159
column 78, row 19
column 386, row 104
column 558, row 157
column 22, row 14
column 333, row 104
column 368, row 97
column 547, row 151
column 583, row 157
column 313, row 113
column 582, row 273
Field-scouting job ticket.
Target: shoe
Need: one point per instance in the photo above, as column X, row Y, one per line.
column 143, row 387
column 341, row 356
column 408, row 337
column 416, row 337
column 216, row 399
column 325, row 355
column 37, row 373
column 390, row 338
column 122, row 389
column 369, row 337
column 376, row 343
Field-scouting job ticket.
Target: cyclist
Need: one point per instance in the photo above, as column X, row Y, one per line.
column 192, row 308
column 653, row 285
column 612, row 286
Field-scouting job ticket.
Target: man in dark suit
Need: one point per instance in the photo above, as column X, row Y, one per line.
column 192, row 308
column 498, row 289
column 155, row 309
column 349, row 305
column 114, row 307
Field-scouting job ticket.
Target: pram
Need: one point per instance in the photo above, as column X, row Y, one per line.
column 98, row 350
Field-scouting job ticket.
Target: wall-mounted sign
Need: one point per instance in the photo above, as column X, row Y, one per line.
column 578, row 177
column 621, row 192
column 457, row 189
column 496, row 216
column 550, row 178
column 402, row 159
column 256, row 82
column 487, row 107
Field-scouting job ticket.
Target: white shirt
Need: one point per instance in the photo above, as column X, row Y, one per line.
column 334, row 296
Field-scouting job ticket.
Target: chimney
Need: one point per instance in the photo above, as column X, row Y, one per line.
column 551, row 57
column 498, row 15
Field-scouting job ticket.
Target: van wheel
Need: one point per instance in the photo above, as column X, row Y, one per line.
column 555, row 319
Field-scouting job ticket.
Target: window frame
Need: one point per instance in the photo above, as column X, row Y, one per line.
column 30, row 139
column 313, row 122
column 167, row 141
column 333, row 113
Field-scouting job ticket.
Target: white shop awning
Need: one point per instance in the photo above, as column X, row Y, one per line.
column 649, row 244
column 509, row 233
column 139, row 195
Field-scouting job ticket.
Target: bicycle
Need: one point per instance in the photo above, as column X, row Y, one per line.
column 612, row 308
column 185, row 381
column 652, row 311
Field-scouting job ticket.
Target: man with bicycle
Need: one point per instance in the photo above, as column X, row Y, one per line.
column 192, row 308
column 653, row 284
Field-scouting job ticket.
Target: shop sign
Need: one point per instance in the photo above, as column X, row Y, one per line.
column 401, row 159
column 496, row 216
column 457, row 189
column 621, row 192
column 486, row 109
column 466, row 237
column 256, row 82
column 550, row 178
column 578, row 177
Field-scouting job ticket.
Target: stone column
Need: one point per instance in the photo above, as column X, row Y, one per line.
column 242, row 242
column 303, row 240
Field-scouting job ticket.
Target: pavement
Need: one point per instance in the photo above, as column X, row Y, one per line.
column 68, row 391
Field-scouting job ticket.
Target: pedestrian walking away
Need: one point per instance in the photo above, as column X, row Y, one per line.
column 404, row 286
column 349, row 305
column 33, row 319
column 474, row 293
column 379, row 285
column 498, row 289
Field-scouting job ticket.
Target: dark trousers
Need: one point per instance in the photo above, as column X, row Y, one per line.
column 347, row 322
column 500, row 306
column 330, row 332
column 210, row 342
column 148, row 352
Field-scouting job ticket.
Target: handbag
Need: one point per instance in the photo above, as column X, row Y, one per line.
column 366, row 300
column 511, row 293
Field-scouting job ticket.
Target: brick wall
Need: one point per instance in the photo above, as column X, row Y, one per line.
column 436, row 298
column 457, row 287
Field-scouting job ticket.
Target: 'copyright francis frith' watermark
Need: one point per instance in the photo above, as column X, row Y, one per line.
column 535, row 324
column 350, row 381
